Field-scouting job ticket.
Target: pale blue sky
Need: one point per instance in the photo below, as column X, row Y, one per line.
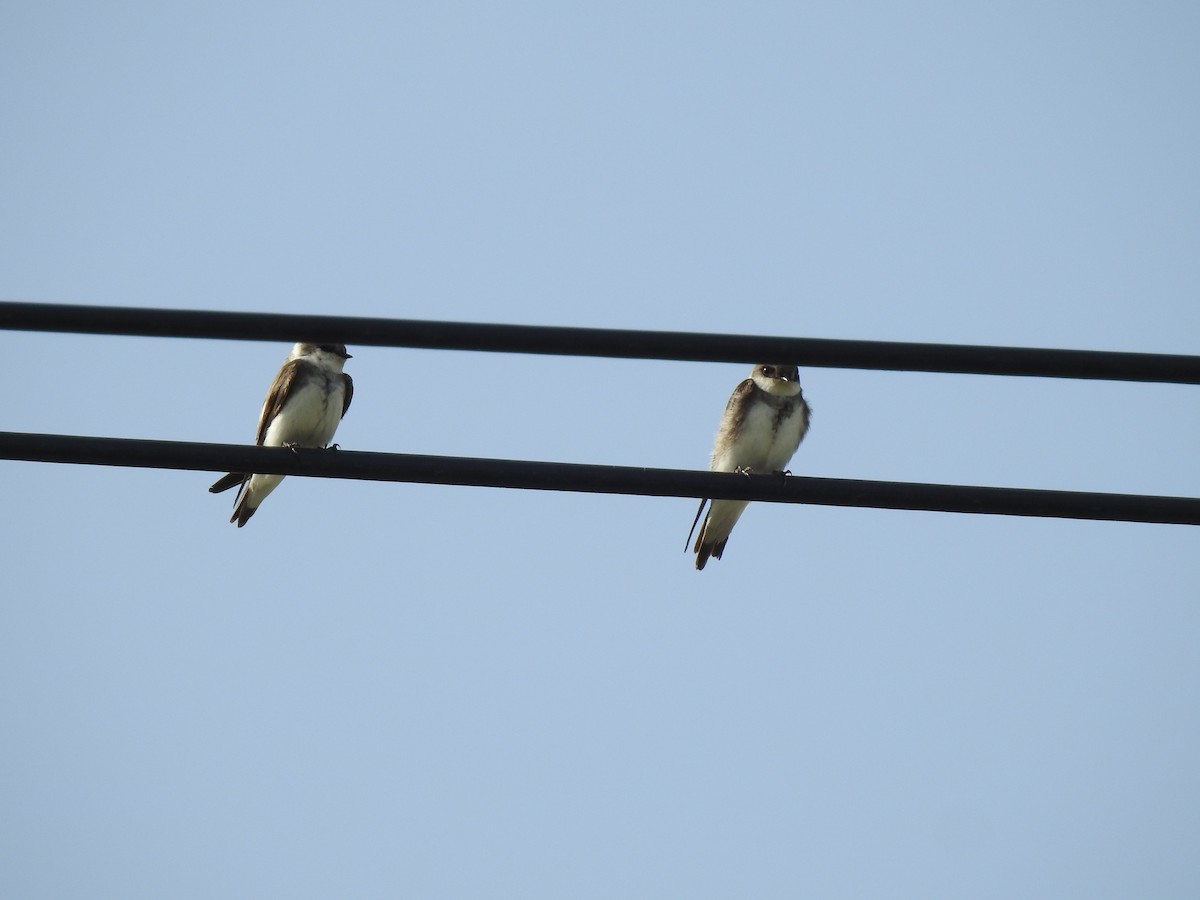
column 398, row 690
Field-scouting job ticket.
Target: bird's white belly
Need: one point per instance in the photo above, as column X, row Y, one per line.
column 309, row 418
column 759, row 446
column 787, row 439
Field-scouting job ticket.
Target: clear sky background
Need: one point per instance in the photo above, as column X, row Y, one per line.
column 399, row 690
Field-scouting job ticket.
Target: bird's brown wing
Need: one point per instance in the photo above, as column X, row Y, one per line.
column 348, row 395
column 739, row 403
column 276, row 396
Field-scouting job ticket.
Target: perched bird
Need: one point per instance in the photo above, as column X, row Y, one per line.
column 764, row 422
column 308, row 398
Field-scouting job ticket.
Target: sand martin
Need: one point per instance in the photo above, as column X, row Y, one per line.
column 308, row 398
column 764, row 422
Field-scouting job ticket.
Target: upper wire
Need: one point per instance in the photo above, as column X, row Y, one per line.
column 602, row 342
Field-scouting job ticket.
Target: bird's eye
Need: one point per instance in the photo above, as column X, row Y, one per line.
column 768, row 370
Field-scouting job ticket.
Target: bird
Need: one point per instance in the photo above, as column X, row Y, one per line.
column 764, row 422
column 304, row 405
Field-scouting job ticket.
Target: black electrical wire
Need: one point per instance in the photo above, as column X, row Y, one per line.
column 605, row 342
column 595, row 479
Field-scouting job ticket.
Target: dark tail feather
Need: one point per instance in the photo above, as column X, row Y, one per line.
column 709, row 550
column 233, row 479
column 701, row 549
column 243, row 511
column 693, row 528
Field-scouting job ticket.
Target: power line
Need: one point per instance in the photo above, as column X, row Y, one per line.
column 596, row 479
column 603, row 342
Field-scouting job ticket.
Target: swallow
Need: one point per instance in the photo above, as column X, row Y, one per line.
column 307, row 400
column 764, row 422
